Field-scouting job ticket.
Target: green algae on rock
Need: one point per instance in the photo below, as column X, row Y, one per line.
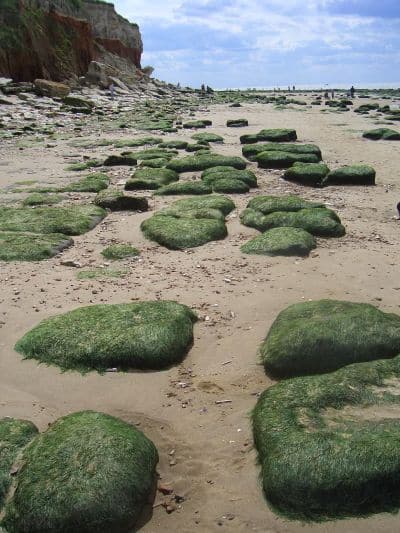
column 328, row 444
column 116, row 200
column 250, row 151
column 120, row 160
column 237, row 123
column 274, row 135
column 230, row 185
column 175, row 144
column 37, row 198
column 214, row 174
column 88, row 472
column 311, row 174
column 281, row 241
column 204, row 161
column 119, row 251
column 270, row 204
column 143, row 335
column 14, row 436
column 187, row 187
column 213, row 201
column 277, row 159
column 194, row 124
column 351, row 175
column 385, row 134
column 151, row 178
column 71, row 220
column 22, row 246
column 91, row 183
column 133, row 143
column 208, row 137
column 322, row 336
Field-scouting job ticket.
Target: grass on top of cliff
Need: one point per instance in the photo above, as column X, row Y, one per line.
column 143, row 335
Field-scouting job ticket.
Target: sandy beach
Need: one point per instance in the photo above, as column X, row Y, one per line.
column 198, row 413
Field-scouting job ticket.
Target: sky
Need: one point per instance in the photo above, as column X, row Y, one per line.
column 269, row 43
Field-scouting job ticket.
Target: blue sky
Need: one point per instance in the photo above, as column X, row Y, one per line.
column 250, row 43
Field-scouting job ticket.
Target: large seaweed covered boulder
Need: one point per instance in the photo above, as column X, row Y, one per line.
column 120, row 160
column 312, row 174
column 22, row 246
column 214, row 174
column 320, row 222
column 14, row 436
column 237, row 122
column 281, row 241
column 328, row 445
column 204, row 161
column 195, row 124
column 186, row 187
column 88, row 472
column 150, row 178
column 277, row 159
column 351, row 175
column 174, row 144
column 148, row 335
column 321, row 336
column 208, row 137
column 270, row 204
column 116, row 200
column 274, row 135
column 71, row 220
column 228, row 185
column 385, row 134
column 213, row 201
column 250, row 151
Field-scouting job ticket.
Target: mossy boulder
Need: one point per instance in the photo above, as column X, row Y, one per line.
column 151, row 178
column 351, row 175
column 195, row 124
column 213, row 201
column 322, row 336
column 144, row 335
column 88, row 472
column 14, row 436
column 72, row 220
column 270, row 204
column 116, row 200
column 91, row 183
column 385, row 134
column 229, row 185
column 174, row 144
column 77, row 167
column 320, row 222
column 250, row 151
column 273, row 135
column 208, row 137
column 119, row 251
column 277, row 159
column 154, row 153
column 187, row 187
column 120, row 160
column 22, row 246
column 246, row 176
column 158, row 162
column 328, row 445
column 37, row 198
column 196, row 148
column 281, row 241
column 133, row 143
column 312, row 174
column 202, row 162
column 237, row 123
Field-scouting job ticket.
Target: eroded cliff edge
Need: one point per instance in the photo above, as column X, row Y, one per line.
column 58, row 39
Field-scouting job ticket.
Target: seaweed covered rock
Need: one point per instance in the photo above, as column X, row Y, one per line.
column 187, row 187
column 328, row 445
column 273, row 135
column 91, row 183
column 157, row 162
column 22, row 246
column 385, row 134
column 37, row 198
column 320, row 222
column 119, row 251
column 202, row 162
column 197, row 148
column 120, row 160
column 321, row 336
column 71, row 220
column 312, row 174
column 88, row 472
column 270, row 204
column 277, row 159
column 194, row 124
column 77, row 167
column 143, row 335
column 237, row 123
column 250, row 151
column 213, row 201
column 135, row 143
column 229, row 185
column 116, row 200
column 351, row 175
column 154, row 153
column 14, row 436
column 174, row 144
column 212, row 176
column 208, row 137
column 151, row 178
column 281, row 241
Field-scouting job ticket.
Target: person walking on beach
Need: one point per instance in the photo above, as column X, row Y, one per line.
column 352, row 91
column 112, row 90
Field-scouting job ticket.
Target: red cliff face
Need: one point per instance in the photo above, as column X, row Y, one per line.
column 54, row 40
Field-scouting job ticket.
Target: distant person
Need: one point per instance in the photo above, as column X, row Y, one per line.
column 294, row 87
column 288, row 88
column 352, row 91
column 333, row 94
column 112, row 90
column 326, row 95
column 398, row 210
column 203, row 89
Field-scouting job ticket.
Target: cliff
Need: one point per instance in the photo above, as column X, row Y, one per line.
column 57, row 39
